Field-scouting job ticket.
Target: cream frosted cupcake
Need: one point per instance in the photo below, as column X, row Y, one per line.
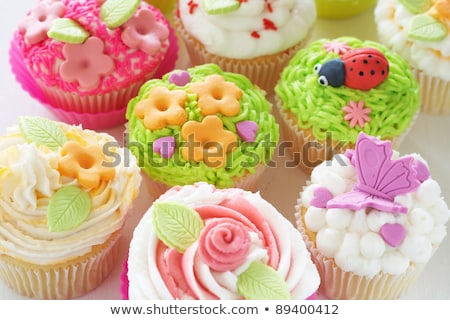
column 335, row 88
column 372, row 220
column 85, row 59
column 419, row 32
column 65, row 194
column 199, row 242
column 255, row 38
column 201, row 124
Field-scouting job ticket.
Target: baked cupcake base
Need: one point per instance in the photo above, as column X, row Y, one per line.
column 435, row 98
column 65, row 280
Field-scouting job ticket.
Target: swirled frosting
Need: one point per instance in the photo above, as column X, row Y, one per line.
column 255, row 29
column 117, row 61
column 177, row 91
column 240, row 228
column 432, row 57
column 390, row 106
column 370, row 241
column 29, row 178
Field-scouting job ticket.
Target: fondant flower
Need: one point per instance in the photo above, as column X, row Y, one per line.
column 86, row 63
column 356, row 113
column 37, row 22
column 336, row 46
column 86, row 164
column 224, row 244
column 162, row 107
column 143, row 32
column 207, row 141
column 215, row 95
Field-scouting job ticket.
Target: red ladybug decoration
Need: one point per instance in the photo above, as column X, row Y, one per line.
column 362, row 69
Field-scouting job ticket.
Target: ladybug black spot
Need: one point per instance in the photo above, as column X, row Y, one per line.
column 365, row 61
column 351, row 69
column 369, row 55
column 383, row 72
column 354, row 60
column 361, row 73
column 372, row 72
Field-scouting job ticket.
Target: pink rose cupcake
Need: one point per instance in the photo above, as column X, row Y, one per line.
column 85, row 59
column 199, row 242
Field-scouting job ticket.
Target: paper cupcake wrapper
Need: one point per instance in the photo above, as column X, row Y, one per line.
column 63, row 281
column 435, row 94
column 249, row 181
column 337, row 284
column 262, row 71
column 92, row 112
column 300, row 138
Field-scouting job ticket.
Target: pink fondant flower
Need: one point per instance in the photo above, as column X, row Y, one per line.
column 336, row 46
column 142, row 31
column 356, row 113
column 37, row 22
column 86, row 63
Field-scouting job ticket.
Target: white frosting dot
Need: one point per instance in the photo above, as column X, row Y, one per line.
column 394, row 263
column 437, row 234
column 315, row 218
column 333, row 182
column 417, row 248
column 328, row 241
column 341, row 165
column 339, row 218
column 316, row 174
column 405, row 200
column 428, row 193
column 359, row 222
column 308, row 194
column 440, row 212
column 375, row 219
column 372, row 246
column 421, row 221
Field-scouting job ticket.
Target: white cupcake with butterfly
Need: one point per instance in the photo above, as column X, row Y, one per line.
column 372, row 220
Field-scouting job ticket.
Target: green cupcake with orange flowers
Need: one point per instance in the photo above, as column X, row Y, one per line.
column 201, row 124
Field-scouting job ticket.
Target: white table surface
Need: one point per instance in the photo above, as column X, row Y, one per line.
column 430, row 137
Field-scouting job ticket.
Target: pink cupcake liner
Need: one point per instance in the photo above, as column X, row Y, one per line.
column 89, row 120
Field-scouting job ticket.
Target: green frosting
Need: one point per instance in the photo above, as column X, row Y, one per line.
column 393, row 103
column 176, row 170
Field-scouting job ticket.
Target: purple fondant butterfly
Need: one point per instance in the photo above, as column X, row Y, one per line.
column 380, row 178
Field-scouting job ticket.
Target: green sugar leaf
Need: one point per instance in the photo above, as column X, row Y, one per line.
column 68, row 208
column 68, row 31
column 417, row 6
column 42, row 132
column 426, row 28
column 261, row 282
column 114, row 13
column 177, row 225
column 220, row 6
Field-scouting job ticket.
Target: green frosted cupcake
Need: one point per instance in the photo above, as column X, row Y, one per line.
column 334, row 89
column 201, row 124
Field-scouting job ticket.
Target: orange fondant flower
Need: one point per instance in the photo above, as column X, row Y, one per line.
column 162, row 107
column 86, row 164
column 215, row 95
column 207, row 141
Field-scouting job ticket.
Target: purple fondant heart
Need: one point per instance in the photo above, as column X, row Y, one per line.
column 321, row 196
column 393, row 234
column 180, row 78
column 164, row 146
column 247, row 130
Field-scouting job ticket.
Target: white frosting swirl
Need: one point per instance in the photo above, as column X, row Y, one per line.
column 432, row 57
column 352, row 238
column 230, row 34
column 28, row 179
column 147, row 282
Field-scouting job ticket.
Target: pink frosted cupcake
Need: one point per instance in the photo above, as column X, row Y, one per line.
column 199, row 242
column 86, row 59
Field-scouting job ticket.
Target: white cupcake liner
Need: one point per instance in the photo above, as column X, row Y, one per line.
column 263, row 71
column 303, row 140
column 65, row 280
column 337, row 284
column 435, row 93
column 249, row 181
